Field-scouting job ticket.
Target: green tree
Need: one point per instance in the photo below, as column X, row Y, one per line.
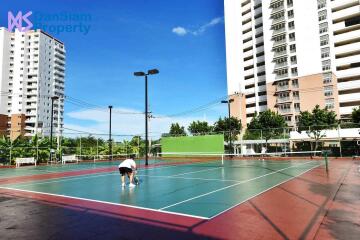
column 176, row 129
column 199, row 128
column 316, row 122
column 266, row 125
column 355, row 115
column 222, row 125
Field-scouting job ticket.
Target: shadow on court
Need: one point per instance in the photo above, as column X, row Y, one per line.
column 27, row 219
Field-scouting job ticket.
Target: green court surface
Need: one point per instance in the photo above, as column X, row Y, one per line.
column 198, row 189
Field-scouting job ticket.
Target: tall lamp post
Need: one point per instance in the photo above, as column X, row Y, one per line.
column 228, row 102
column 140, row 74
column 51, row 126
column 110, row 140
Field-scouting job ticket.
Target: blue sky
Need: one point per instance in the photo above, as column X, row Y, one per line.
column 184, row 39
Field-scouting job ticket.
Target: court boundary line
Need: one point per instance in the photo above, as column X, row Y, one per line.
column 276, row 185
column 105, row 202
column 230, row 186
column 90, row 175
column 190, row 178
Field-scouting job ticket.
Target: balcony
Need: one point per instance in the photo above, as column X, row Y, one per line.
column 281, row 76
column 281, row 65
column 278, row 31
column 278, row 20
column 279, row 54
column 282, row 88
column 283, row 99
column 284, row 110
column 278, row 9
column 279, row 43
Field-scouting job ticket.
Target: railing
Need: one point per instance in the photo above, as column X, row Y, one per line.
column 276, row 43
column 284, row 99
column 282, row 76
column 274, row 10
column 284, row 110
column 279, row 65
column 276, row 54
column 282, row 87
column 277, row 20
column 278, row 31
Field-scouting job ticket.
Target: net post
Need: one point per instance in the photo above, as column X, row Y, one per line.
column 222, row 159
column 326, row 161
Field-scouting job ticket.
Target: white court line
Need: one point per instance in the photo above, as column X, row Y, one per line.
column 265, row 191
column 233, row 185
column 189, row 178
column 205, row 170
column 111, row 203
column 85, row 176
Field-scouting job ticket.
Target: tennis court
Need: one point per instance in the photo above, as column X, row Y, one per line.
column 188, row 189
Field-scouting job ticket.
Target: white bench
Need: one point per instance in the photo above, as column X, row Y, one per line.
column 69, row 158
column 19, row 161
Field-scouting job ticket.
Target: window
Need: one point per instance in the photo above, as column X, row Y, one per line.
column 329, row 103
column 284, row 108
column 297, row 107
column 327, row 77
column 289, row 3
column 328, row 91
column 294, row 71
column 291, row 14
column 295, row 83
column 321, row 4
column 292, row 48
column 292, row 37
column 323, row 27
column 296, row 95
column 326, row 65
column 324, row 40
column 293, row 59
column 287, row 118
column 325, row 52
column 291, row 25
column 322, row 15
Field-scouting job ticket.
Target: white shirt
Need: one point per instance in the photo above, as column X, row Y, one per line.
column 128, row 163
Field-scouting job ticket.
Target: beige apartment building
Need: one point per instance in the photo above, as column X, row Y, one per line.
column 290, row 55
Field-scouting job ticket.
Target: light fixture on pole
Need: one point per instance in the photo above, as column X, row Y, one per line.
column 140, row 74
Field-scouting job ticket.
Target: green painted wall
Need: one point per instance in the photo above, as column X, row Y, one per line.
column 193, row 144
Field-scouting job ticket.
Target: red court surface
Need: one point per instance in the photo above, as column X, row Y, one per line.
column 315, row 205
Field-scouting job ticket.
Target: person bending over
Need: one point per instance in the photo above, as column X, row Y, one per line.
column 127, row 167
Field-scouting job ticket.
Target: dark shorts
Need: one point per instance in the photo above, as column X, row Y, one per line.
column 124, row 170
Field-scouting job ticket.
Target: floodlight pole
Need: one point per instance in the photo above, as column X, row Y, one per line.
column 138, row 74
column 146, row 120
column 110, row 140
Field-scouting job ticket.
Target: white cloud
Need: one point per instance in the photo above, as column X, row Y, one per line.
column 181, row 31
column 130, row 124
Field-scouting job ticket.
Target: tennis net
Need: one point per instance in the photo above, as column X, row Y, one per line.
column 225, row 159
column 103, row 157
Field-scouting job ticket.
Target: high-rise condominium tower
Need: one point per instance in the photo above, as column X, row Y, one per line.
column 32, row 71
column 289, row 55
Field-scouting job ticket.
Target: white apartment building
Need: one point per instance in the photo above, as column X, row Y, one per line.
column 32, row 70
column 289, row 55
